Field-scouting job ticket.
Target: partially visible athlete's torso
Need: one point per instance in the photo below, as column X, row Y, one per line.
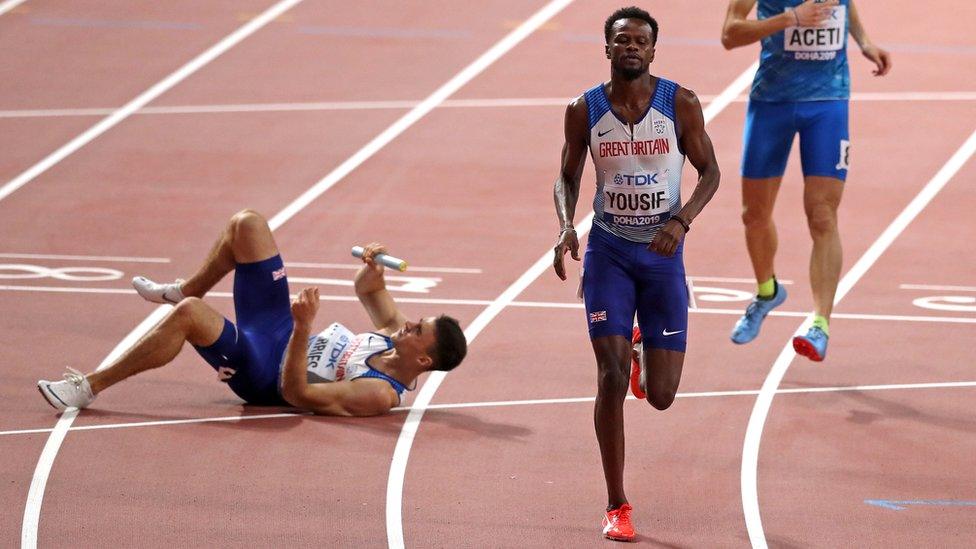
column 337, row 354
column 638, row 174
column 803, row 63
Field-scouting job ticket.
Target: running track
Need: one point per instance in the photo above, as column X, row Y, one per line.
column 465, row 191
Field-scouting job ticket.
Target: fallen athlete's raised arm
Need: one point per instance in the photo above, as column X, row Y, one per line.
column 697, row 147
column 372, row 293
column 565, row 191
column 738, row 30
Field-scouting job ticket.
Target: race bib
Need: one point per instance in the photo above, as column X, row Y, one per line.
column 326, row 351
column 818, row 43
column 637, row 200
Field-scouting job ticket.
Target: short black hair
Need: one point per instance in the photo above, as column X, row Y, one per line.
column 451, row 345
column 632, row 12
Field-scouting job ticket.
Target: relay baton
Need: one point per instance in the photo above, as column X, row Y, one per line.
column 384, row 259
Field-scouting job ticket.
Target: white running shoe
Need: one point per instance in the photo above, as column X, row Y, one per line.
column 74, row 391
column 158, row 293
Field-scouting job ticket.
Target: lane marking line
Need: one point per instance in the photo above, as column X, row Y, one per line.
column 938, row 288
column 119, row 259
column 502, row 102
column 9, row 5
column 401, row 453
column 760, row 411
column 145, row 97
column 522, row 304
column 507, row 403
column 35, row 496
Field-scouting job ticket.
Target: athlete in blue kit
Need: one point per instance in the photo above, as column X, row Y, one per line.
column 802, row 87
column 638, row 128
column 271, row 356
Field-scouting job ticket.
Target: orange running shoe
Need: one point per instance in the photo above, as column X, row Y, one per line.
column 617, row 525
column 635, row 368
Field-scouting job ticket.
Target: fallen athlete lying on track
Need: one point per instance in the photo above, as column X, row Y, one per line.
column 271, row 356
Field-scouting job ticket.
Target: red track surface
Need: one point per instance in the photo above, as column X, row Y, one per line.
column 465, row 187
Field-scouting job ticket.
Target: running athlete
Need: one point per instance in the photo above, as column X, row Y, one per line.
column 271, row 357
column 638, row 128
column 802, row 86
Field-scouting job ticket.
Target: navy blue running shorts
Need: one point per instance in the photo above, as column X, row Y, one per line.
column 621, row 278
column 248, row 356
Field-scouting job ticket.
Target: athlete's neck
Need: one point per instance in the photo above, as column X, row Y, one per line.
column 391, row 364
column 630, row 97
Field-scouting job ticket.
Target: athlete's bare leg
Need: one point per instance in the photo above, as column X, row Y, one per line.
column 246, row 239
column 191, row 320
column 821, row 198
column 613, row 377
column 758, row 199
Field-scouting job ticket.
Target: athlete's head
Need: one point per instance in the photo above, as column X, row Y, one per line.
column 631, row 34
column 432, row 343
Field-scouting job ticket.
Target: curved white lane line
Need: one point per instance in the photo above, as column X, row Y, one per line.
column 32, row 508
column 401, row 454
column 760, row 410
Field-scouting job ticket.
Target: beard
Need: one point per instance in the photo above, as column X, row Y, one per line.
column 631, row 74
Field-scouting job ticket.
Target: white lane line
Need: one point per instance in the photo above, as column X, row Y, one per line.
column 9, row 5
column 760, row 411
column 119, row 259
column 394, row 487
column 938, row 288
column 506, row 403
column 145, row 97
column 511, row 102
column 32, row 508
column 401, row 453
column 523, row 304
column 356, row 266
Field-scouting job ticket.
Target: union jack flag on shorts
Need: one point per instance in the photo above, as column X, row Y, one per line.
column 598, row 316
column 278, row 275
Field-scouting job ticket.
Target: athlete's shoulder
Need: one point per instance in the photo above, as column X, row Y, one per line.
column 684, row 97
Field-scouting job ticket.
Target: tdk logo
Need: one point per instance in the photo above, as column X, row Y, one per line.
column 635, row 180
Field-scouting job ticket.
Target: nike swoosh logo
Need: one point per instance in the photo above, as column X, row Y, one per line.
column 666, row 333
column 601, row 134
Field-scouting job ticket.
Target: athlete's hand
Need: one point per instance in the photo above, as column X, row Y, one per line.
column 305, row 307
column 878, row 56
column 814, row 14
column 667, row 238
column 568, row 242
column 370, row 277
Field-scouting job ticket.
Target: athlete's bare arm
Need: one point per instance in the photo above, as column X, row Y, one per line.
column 878, row 56
column 372, row 293
column 739, row 30
column 566, row 189
column 359, row 397
column 698, row 149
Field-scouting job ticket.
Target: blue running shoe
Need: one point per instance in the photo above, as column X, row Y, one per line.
column 813, row 345
column 747, row 328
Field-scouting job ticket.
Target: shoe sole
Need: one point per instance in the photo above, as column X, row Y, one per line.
column 615, row 538
column 805, row 348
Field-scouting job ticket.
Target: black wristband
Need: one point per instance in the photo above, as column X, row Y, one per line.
column 682, row 222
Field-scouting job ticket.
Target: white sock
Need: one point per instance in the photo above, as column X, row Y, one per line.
column 171, row 293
